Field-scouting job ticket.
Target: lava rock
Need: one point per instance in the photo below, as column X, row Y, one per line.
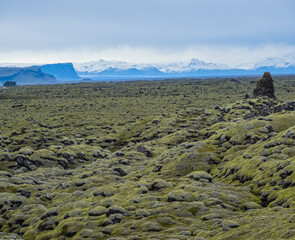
column 115, row 209
column 24, row 193
column 120, row 171
column 50, row 213
column 98, row 211
column 227, row 225
column 251, row 205
column 264, row 87
column 179, row 196
column 198, row 175
column 145, row 150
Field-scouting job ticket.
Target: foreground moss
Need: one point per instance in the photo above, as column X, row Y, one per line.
column 146, row 160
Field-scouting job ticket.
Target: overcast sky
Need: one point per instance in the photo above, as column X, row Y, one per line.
column 220, row 31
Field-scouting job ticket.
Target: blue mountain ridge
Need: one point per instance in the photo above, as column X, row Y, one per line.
column 26, row 76
column 150, row 71
column 239, row 72
column 44, row 74
column 153, row 72
column 61, row 71
column 65, row 72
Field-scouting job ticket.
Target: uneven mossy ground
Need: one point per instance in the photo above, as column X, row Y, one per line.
column 180, row 159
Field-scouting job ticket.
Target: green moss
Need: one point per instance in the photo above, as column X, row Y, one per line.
column 194, row 210
column 99, row 126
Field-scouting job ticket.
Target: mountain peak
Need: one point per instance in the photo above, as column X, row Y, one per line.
column 277, row 62
column 196, row 61
column 61, row 71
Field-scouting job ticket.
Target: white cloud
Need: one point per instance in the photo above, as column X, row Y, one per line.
column 222, row 54
column 227, row 32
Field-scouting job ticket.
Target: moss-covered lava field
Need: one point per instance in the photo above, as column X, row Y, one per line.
column 171, row 159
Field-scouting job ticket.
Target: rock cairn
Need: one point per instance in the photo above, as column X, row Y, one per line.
column 264, row 87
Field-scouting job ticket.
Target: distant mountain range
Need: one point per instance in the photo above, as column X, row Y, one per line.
column 61, row 71
column 26, row 76
column 112, row 70
column 45, row 74
column 195, row 68
column 108, row 68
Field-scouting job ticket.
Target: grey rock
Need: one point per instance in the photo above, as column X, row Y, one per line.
column 98, row 211
column 115, row 209
column 49, row 213
column 264, row 87
column 145, row 150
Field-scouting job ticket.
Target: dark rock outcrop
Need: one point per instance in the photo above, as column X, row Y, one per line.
column 9, row 84
column 145, row 150
column 264, row 87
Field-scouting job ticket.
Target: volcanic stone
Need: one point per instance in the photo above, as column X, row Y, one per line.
column 264, row 87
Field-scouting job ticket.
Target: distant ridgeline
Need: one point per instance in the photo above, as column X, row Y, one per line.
column 66, row 73
column 233, row 72
column 9, row 84
column 25, row 76
column 47, row 74
column 61, row 71
column 122, row 70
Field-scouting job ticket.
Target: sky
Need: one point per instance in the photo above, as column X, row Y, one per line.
column 233, row 32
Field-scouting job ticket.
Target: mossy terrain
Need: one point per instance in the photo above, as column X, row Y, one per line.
column 172, row 159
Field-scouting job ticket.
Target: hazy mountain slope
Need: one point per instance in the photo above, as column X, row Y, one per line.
column 24, row 76
column 151, row 71
column 102, row 65
column 61, row 71
column 194, row 68
column 100, row 70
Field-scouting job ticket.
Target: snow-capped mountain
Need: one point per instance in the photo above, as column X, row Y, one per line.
column 192, row 66
column 120, row 70
column 102, row 65
column 131, row 72
column 278, row 62
column 17, row 65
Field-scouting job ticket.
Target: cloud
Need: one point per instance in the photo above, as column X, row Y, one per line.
column 222, row 54
column 159, row 28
